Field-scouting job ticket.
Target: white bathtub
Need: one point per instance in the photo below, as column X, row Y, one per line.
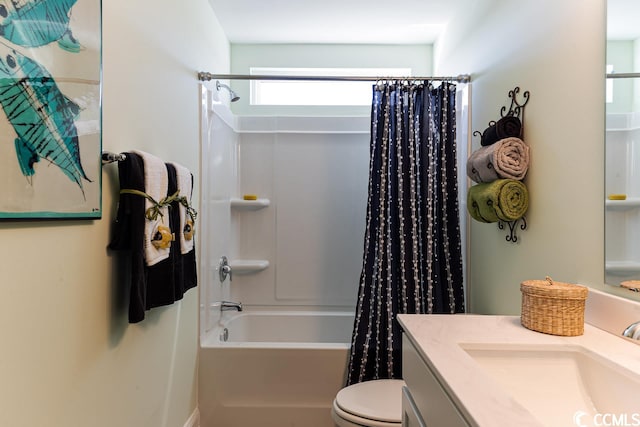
column 276, row 368
column 283, row 329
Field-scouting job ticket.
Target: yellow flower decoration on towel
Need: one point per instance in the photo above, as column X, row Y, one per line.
column 163, row 237
column 189, row 230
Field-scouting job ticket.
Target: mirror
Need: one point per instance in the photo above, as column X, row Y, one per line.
column 622, row 145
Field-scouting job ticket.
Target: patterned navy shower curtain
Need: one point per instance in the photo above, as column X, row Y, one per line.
column 412, row 252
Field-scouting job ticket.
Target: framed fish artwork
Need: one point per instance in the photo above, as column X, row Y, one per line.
column 50, row 109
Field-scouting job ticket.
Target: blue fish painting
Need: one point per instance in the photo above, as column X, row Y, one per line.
column 33, row 23
column 42, row 117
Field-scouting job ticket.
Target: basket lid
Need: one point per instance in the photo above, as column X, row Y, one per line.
column 552, row 289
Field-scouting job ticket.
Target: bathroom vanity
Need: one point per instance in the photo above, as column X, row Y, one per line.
column 486, row 371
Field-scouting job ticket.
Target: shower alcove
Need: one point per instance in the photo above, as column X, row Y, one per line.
column 299, row 244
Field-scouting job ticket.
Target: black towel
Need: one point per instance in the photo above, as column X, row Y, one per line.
column 165, row 282
column 128, row 231
column 185, row 271
column 509, row 126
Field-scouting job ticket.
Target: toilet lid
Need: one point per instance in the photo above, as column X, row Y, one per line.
column 376, row 400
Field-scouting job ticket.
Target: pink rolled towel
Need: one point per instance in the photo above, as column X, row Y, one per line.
column 506, row 159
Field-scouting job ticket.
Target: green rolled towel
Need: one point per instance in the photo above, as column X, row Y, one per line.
column 500, row 200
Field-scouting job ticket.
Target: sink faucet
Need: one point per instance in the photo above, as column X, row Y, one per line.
column 228, row 305
column 632, row 331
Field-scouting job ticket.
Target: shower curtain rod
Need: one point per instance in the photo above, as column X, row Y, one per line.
column 623, row 75
column 204, row 76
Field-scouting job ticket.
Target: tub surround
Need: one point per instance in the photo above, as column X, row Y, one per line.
column 445, row 344
column 312, row 171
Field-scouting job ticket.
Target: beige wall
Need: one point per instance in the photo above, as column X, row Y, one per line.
column 556, row 51
column 69, row 357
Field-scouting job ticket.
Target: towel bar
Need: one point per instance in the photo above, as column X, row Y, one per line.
column 108, row 157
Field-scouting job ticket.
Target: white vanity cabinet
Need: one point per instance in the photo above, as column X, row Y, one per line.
column 410, row 415
column 490, row 371
column 424, row 402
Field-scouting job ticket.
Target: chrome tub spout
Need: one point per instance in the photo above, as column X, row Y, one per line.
column 230, row 305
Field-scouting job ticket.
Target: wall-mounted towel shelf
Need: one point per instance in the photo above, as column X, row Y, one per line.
column 252, row 205
column 499, row 168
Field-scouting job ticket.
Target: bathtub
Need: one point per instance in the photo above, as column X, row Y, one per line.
column 273, row 368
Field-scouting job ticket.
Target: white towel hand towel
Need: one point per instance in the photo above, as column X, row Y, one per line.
column 156, row 182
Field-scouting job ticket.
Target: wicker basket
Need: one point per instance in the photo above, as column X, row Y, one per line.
column 554, row 308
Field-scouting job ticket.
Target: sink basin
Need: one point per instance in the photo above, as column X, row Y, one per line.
column 559, row 385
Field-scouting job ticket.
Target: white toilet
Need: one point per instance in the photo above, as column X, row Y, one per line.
column 376, row 403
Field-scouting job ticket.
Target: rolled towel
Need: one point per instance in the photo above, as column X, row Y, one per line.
column 504, row 199
column 504, row 128
column 480, row 165
column 506, row 159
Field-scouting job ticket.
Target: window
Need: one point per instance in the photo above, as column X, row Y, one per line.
column 310, row 92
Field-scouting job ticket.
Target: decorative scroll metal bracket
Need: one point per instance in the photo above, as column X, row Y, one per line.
column 513, row 226
column 516, row 109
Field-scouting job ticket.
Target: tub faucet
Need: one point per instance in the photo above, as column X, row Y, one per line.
column 632, row 331
column 229, row 305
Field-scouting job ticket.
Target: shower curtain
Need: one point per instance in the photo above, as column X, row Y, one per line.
column 412, row 250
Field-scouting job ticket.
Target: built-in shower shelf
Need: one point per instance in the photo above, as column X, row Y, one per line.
column 245, row 266
column 629, row 129
column 249, row 205
column 622, row 267
column 629, row 203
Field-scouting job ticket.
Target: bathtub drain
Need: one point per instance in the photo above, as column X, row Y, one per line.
column 224, row 335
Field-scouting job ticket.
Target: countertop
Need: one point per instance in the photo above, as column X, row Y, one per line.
column 441, row 340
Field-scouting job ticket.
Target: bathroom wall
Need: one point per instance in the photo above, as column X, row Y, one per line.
column 556, row 51
column 69, row 357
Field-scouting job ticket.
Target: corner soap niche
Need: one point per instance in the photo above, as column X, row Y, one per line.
column 249, row 205
column 247, row 266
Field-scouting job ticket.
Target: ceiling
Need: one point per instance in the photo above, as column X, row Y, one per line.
column 368, row 21
column 335, row 21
